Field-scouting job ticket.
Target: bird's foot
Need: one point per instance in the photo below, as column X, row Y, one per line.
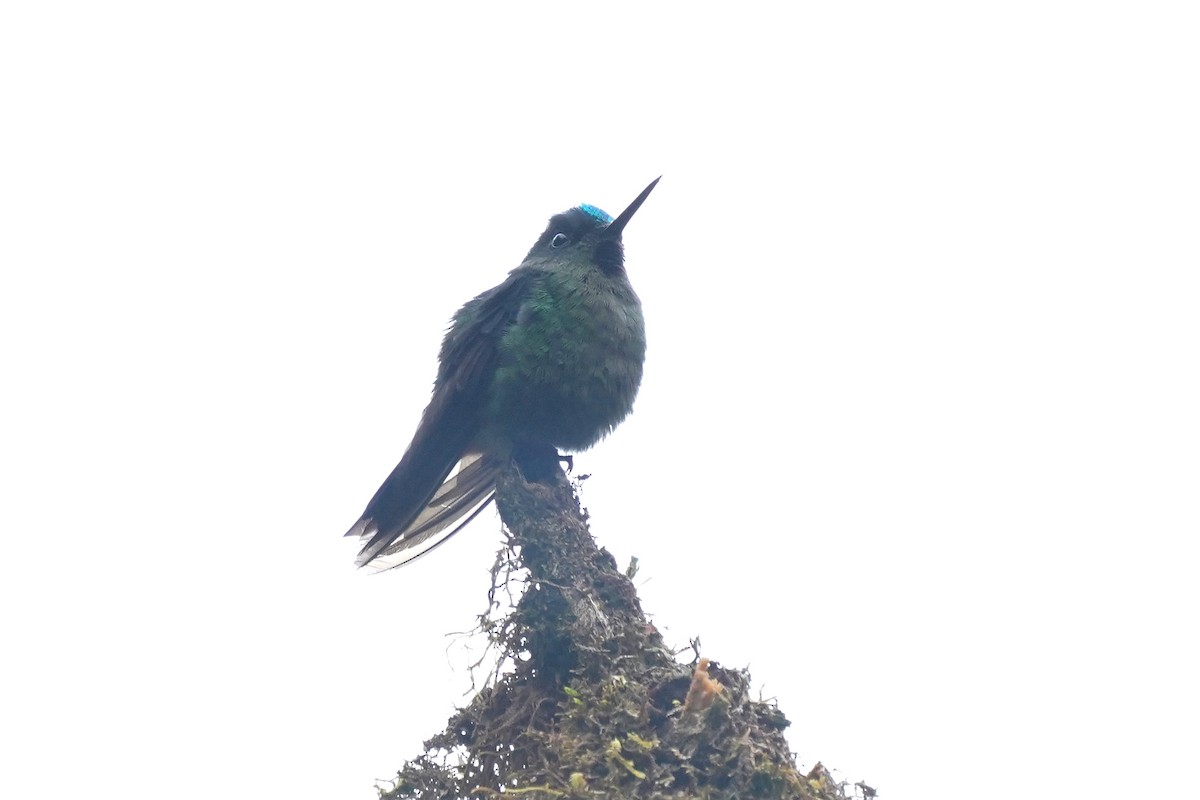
column 537, row 462
column 567, row 460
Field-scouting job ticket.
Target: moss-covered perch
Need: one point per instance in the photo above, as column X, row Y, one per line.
column 595, row 705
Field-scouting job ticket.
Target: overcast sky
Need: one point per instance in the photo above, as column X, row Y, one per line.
column 917, row 441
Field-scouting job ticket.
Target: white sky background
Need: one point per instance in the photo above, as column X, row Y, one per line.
column 917, row 441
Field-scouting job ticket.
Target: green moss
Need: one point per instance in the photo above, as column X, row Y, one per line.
column 593, row 706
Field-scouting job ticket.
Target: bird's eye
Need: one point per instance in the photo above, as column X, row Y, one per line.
column 559, row 240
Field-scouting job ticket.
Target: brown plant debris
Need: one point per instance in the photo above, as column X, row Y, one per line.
column 593, row 704
column 702, row 691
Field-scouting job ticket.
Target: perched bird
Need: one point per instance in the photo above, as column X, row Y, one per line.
column 551, row 358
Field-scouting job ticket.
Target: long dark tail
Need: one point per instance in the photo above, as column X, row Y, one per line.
column 412, row 510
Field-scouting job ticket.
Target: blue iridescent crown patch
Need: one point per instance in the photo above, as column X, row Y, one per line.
column 595, row 213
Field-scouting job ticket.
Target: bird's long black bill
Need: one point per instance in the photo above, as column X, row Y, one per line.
column 617, row 225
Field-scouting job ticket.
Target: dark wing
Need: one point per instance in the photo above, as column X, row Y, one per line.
column 413, row 507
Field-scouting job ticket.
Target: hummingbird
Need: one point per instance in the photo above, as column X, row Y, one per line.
column 549, row 359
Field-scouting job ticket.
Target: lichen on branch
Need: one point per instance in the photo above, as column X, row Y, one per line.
column 593, row 703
